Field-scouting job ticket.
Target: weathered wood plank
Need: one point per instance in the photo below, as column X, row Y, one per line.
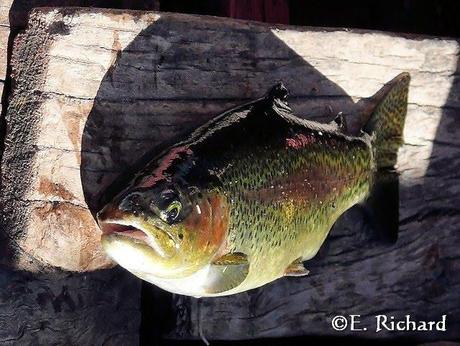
column 101, row 307
column 14, row 15
column 109, row 86
column 20, row 9
column 4, row 34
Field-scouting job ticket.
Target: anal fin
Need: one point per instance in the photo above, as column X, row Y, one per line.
column 296, row 268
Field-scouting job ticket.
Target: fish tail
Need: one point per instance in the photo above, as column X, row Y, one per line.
column 385, row 127
column 386, row 123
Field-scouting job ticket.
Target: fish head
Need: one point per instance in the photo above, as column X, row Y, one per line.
column 167, row 230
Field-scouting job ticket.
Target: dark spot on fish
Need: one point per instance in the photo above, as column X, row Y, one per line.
column 181, row 236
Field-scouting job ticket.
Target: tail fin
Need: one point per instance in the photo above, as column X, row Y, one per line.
column 387, row 121
column 385, row 127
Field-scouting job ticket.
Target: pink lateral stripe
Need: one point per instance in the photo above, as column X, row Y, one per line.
column 299, row 141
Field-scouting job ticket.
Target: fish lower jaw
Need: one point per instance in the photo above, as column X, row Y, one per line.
column 159, row 240
column 138, row 256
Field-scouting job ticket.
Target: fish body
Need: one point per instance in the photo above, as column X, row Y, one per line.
column 248, row 196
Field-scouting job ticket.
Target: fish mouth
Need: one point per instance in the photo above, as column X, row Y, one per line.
column 161, row 241
column 114, row 227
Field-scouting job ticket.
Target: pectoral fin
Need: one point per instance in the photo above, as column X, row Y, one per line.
column 227, row 272
column 296, row 268
column 231, row 258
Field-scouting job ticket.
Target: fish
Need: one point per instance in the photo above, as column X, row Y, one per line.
column 248, row 197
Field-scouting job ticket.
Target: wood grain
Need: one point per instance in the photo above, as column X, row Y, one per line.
column 101, row 307
column 4, row 34
column 95, row 90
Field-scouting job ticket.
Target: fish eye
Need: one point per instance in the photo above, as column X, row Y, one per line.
column 168, row 194
column 171, row 213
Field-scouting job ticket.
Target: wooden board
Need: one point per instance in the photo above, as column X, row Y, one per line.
column 4, row 34
column 14, row 15
column 95, row 90
column 101, row 307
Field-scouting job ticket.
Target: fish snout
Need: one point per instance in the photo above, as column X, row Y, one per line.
column 109, row 212
column 128, row 220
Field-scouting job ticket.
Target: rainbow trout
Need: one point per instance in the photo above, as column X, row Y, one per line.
column 250, row 195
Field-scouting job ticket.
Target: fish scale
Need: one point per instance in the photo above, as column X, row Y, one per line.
column 261, row 228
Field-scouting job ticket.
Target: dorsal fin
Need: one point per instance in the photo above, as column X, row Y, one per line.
column 274, row 100
column 278, row 91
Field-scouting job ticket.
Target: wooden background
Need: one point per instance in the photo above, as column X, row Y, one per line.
column 94, row 90
column 59, row 307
